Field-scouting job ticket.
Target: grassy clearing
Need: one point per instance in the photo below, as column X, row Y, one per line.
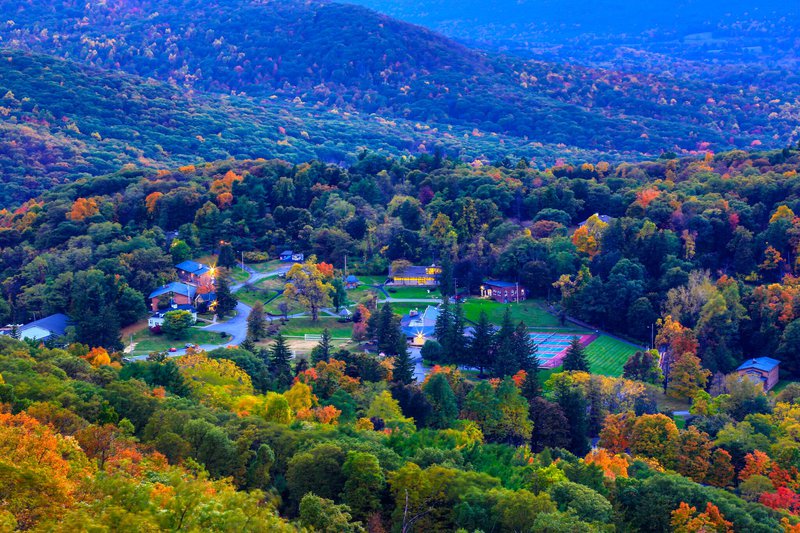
column 251, row 295
column 531, row 312
column 372, row 280
column 273, row 307
column 303, row 326
column 608, row 355
column 238, row 275
column 413, row 292
column 210, row 259
column 274, row 283
column 147, row 342
column 268, row 266
column 665, row 403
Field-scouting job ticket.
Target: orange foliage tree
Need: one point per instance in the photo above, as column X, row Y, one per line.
column 686, row 519
column 83, row 208
column 39, row 469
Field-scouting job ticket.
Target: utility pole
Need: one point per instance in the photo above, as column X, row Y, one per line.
column 517, row 290
column 345, row 267
column 242, row 259
column 652, row 336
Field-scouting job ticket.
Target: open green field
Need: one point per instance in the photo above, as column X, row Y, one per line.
column 362, row 291
column 608, row 355
column 531, row 312
column 413, row 292
column 372, row 280
column 273, row 283
column 268, row 266
column 252, row 295
column 304, row 325
column 404, row 308
column 147, row 342
column 273, row 307
column 239, row 275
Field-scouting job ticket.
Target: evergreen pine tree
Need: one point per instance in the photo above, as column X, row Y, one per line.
column 226, row 259
column 503, row 363
column 256, row 324
column 248, row 345
column 573, row 402
column 576, row 357
column 403, row 371
column 226, row 301
column 444, row 409
column 481, row 346
column 279, row 362
column 524, row 350
column 322, row 351
column 443, row 328
column 457, row 339
column 446, row 280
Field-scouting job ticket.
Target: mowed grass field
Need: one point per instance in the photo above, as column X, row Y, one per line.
column 303, row 326
column 416, row 293
column 147, row 342
column 531, row 312
column 607, row 356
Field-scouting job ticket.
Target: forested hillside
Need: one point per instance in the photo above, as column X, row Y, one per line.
column 344, row 440
column 301, row 52
column 300, row 266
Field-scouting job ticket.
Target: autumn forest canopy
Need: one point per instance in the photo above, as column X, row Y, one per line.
column 303, row 266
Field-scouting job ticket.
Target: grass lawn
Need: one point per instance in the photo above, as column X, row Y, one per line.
column 239, row 275
column 532, row 312
column 273, row 309
column 210, row 259
column 251, row 295
column 147, row 342
column 665, row 403
column 268, row 266
column 372, row 280
column 274, row 283
column 782, row 384
column 607, row 355
column 302, row 326
column 413, row 292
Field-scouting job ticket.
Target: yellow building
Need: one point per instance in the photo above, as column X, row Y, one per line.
column 415, row 276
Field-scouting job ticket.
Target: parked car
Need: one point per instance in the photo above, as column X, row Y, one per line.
column 173, row 349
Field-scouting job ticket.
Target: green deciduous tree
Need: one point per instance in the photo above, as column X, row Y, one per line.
column 444, row 408
column 176, row 323
column 364, row 484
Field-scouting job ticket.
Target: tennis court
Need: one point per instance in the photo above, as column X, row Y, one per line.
column 552, row 347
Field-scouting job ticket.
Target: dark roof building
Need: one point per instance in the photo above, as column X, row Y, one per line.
column 763, row 369
column 49, row 327
column 192, row 268
column 503, row 291
column 425, row 276
column 175, row 287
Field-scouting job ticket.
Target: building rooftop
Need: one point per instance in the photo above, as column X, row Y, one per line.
column 351, row 279
column 175, row 287
column 501, row 284
column 765, row 364
column 56, row 324
column 412, row 271
column 193, row 267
